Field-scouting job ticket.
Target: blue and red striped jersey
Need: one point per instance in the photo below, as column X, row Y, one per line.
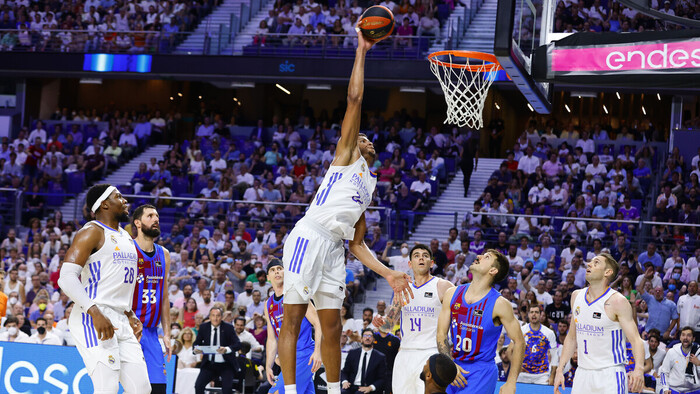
column 474, row 336
column 148, row 293
column 275, row 310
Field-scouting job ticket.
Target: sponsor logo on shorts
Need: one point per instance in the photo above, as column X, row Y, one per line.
column 111, row 359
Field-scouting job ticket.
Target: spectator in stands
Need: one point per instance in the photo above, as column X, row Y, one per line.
column 528, row 163
column 663, row 314
column 651, row 255
column 206, row 129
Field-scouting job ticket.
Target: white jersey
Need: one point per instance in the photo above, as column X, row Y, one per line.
column 601, row 341
column 343, row 196
column 420, row 316
column 109, row 275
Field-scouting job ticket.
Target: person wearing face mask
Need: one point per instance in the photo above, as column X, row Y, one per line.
column 174, row 292
column 539, row 197
column 202, row 250
column 400, row 263
column 12, row 332
column 246, row 297
column 678, row 273
column 256, row 246
column 42, row 336
column 13, row 284
column 187, row 275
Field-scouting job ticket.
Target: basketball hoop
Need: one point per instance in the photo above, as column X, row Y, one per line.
column 465, row 77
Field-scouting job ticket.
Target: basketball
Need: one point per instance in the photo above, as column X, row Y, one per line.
column 377, row 22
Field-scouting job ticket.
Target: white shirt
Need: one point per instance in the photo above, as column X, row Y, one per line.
column 517, row 260
column 420, row 187
column 672, row 371
column 689, row 311
column 217, row 164
column 528, row 164
column 246, row 336
column 218, row 358
column 657, row 359
column 544, row 298
column 49, row 339
column 588, row 146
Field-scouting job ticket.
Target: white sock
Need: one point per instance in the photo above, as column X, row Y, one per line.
column 333, row 388
column 290, row 388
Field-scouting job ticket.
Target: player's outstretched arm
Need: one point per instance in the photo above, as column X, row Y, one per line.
column 567, row 351
column 312, row 316
column 623, row 311
column 346, row 151
column 398, row 281
column 504, row 312
column 443, row 343
column 89, row 238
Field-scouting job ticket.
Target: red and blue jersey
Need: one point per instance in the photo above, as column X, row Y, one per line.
column 275, row 310
column 474, row 336
column 148, row 293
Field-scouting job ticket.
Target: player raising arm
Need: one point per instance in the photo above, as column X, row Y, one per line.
column 603, row 322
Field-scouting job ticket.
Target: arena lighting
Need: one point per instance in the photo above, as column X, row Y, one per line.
column 171, row 98
column 658, row 96
column 644, row 110
column 567, row 108
column 199, row 97
column 242, row 85
column 280, row 87
column 91, row 81
column 315, row 86
column 179, row 94
column 497, row 106
column 530, row 106
column 580, row 94
column 605, row 109
column 618, row 95
column 412, row 89
column 235, row 99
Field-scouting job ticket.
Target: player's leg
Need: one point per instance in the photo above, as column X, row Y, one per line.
column 330, row 345
column 105, row 380
column 305, row 378
column 155, row 363
column 134, row 378
column 289, row 334
column 404, row 377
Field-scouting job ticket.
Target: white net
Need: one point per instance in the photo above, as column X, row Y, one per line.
column 465, row 86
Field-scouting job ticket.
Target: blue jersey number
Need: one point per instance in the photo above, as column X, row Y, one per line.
column 128, row 275
column 585, row 347
column 415, row 323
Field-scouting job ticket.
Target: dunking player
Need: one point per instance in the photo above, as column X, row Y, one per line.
column 308, row 350
column 418, row 323
column 474, row 316
column 102, row 324
column 151, row 302
column 314, row 253
column 603, row 319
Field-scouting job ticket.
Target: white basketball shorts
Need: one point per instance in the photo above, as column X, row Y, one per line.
column 534, row 378
column 314, row 267
column 600, row 381
column 123, row 347
column 405, row 378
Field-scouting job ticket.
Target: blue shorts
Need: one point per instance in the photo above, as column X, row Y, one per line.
column 305, row 378
column 482, row 378
column 153, row 354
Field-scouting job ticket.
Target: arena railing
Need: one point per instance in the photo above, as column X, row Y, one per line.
column 219, row 41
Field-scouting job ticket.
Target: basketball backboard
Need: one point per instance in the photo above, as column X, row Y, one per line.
column 521, row 27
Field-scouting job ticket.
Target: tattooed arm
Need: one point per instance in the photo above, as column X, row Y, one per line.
column 443, row 343
column 386, row 323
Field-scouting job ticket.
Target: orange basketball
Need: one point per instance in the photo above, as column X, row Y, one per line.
column 376, row 22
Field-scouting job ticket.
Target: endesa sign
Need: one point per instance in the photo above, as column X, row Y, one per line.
column 637, row 58
column 28, row 369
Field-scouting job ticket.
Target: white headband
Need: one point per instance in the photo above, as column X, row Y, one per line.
column 103, row 197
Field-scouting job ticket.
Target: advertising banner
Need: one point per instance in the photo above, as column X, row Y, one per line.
column 28, row 368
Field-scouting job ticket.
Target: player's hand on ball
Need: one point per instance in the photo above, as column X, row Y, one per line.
column 346, row 385
column 103, row 326
column 399, row 282
column 636, row 380
column 461, row 379
column 558, row 381
column 364, row 42
column 315, row 361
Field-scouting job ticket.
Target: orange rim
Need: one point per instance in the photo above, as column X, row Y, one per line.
column 486, row 57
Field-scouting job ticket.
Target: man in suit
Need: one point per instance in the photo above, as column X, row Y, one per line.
column 259, row 134
column 223, row 364
column 365, row 368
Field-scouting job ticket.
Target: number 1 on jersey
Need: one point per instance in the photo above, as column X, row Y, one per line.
column 415, row 323
column 585, row 346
